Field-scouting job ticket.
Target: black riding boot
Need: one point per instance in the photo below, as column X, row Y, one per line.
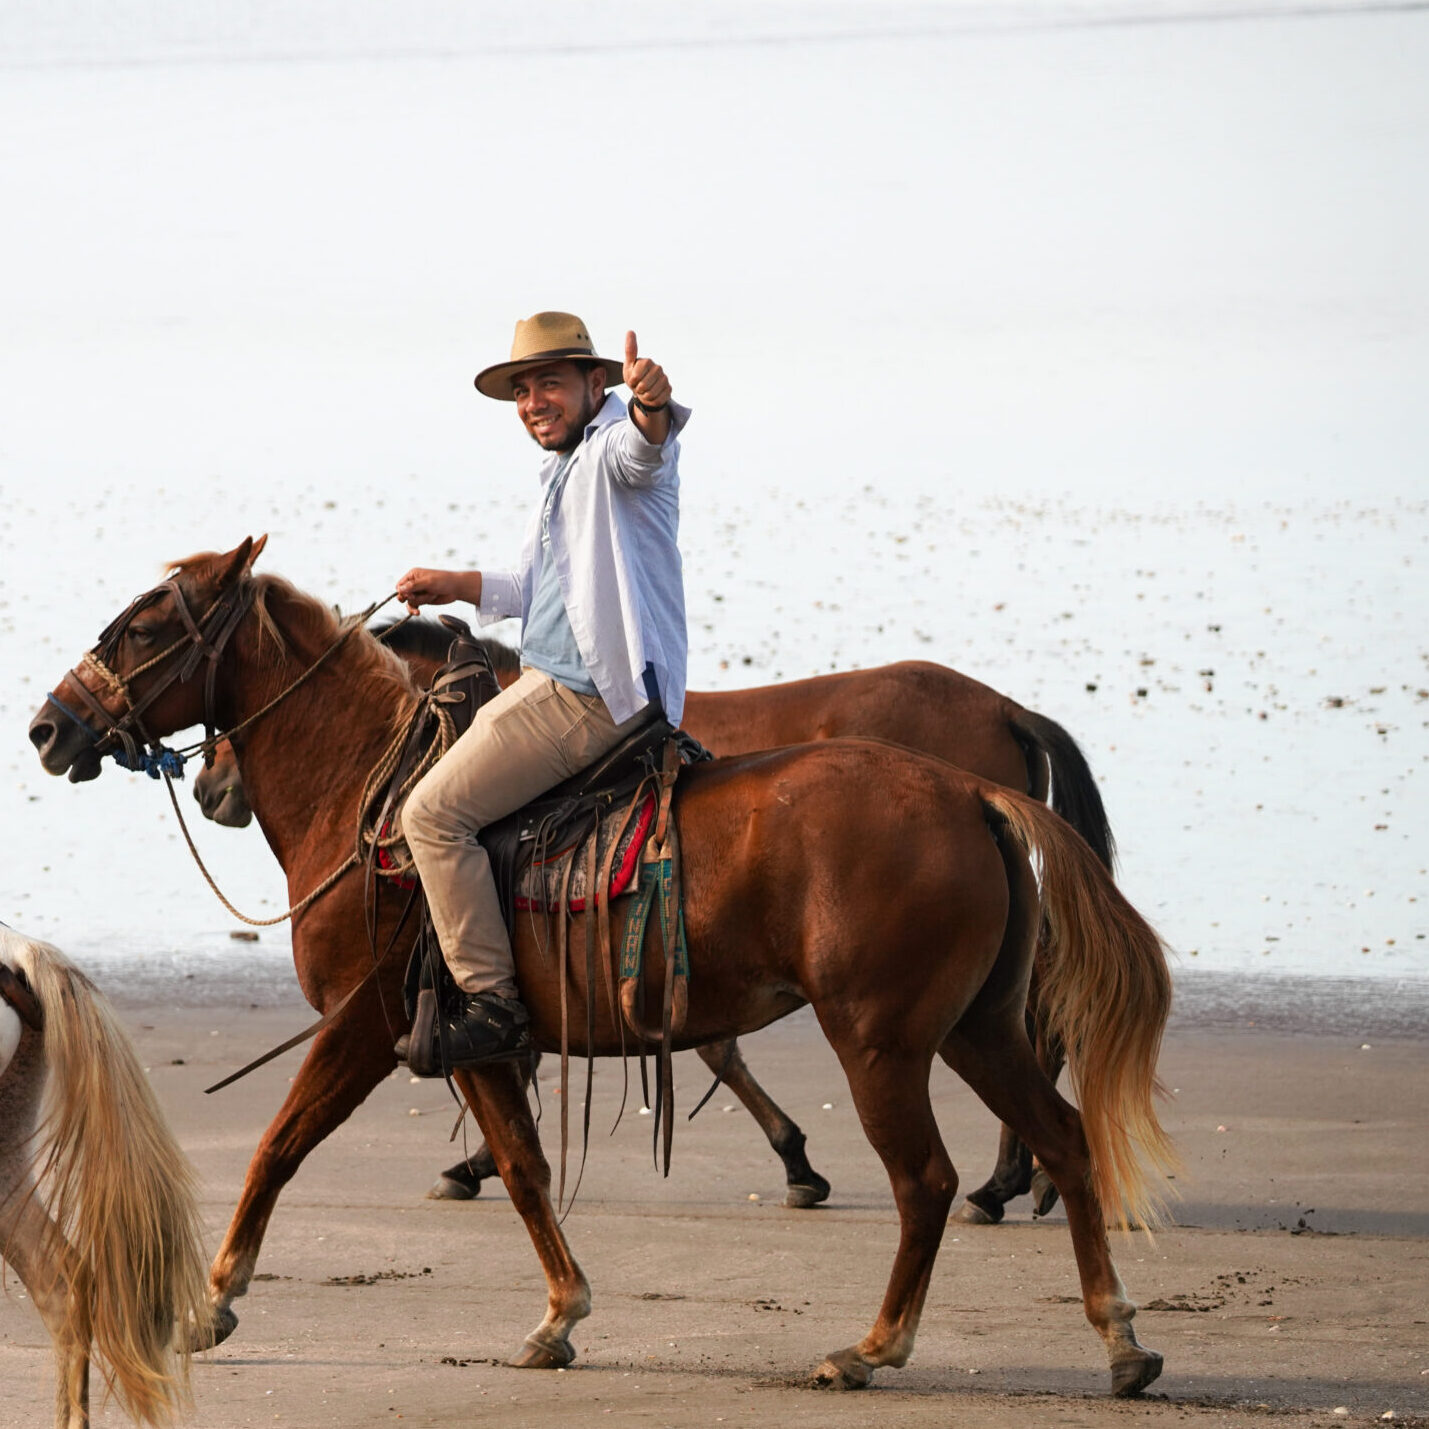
column 482, row 1028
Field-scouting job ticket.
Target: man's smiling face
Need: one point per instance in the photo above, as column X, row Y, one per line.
column 555, row 402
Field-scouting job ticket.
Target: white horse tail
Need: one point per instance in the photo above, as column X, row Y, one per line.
column 119, row 1191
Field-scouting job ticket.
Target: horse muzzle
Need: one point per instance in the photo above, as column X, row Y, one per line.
column 64, row 746
column 226, row 806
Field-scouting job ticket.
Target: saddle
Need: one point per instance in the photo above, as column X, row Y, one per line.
column 603, row 834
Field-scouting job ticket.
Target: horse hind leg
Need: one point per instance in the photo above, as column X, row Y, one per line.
column 30, row 1241
column 998, row 1065
column 1016, row 1174
column 806, row 1188
column 890, row 1092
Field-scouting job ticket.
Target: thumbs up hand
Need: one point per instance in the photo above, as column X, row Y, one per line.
column 646, row 380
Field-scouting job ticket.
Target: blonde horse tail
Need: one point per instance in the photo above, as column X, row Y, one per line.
column 121, row 1194
column 1107, row 994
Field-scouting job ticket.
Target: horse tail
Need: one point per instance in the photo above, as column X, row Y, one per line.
column 120, row 1193
column 1107, row 995
column 1075, row 795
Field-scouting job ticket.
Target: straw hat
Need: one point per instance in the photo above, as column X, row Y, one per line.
column 543, row 338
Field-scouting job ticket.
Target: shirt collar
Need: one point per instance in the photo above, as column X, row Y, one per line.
column 611, row 410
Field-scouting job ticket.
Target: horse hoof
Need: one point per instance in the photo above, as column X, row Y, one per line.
column 1131, row 1373
column 204, row 1337
column 451, row 1188
column 807, row 1194
column 844, row 1369
column 1044, row 1193
column 971, row 1214
column 544, row 1354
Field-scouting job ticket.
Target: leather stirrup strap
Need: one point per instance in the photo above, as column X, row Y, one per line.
column 608, row 954
column 562, row 950
column 588, row 929
column 666, row 849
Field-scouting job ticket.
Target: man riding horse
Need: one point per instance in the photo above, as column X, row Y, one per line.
column 600, row 593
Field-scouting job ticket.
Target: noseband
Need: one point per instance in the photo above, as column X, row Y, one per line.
column 205, row 639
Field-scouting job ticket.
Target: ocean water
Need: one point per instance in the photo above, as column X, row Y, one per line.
column 1079, row 346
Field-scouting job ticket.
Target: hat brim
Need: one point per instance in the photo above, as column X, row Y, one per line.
column 495, row 381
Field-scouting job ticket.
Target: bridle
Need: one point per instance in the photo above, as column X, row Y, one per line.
column 206, row 638
column 125, row 735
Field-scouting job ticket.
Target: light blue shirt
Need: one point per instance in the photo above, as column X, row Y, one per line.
column 548, row 643
column 614, row 537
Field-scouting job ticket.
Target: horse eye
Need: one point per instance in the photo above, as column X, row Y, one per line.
column 141, row 634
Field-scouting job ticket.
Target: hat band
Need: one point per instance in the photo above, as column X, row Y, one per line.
column 554, row 353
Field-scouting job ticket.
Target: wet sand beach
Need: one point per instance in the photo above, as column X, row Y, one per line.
column 1294, row 1282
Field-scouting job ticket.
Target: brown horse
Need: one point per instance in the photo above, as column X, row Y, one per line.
column 926, row 707
column 892, row 892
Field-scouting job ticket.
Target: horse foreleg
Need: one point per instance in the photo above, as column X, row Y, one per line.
column 806, row 1187
column 1001, row 1069
column 497, row 1097
column 344, row 1063
column 28, row 1241
column 890, row 1091
column 462, row 1182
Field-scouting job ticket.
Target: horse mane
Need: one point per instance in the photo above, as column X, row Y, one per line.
column 431, row 639
column 316, row 624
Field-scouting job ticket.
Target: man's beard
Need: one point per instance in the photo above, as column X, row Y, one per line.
column 576, row 434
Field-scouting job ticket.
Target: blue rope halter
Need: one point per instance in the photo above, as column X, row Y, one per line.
column 156, row 761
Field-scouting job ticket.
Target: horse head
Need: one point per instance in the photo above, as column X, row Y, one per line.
column 140, row 680
column 219, row 790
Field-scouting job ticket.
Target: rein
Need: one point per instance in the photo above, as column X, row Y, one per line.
column 370, row 834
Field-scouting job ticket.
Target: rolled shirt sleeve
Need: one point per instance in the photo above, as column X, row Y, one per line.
column 501, row 596
column 637, row 462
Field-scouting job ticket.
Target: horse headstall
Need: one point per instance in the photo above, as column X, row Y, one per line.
column 124, row 735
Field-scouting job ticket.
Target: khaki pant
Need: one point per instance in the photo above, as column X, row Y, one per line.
column 528, row 739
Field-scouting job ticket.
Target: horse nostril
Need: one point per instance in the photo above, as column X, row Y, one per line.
column 42, row 735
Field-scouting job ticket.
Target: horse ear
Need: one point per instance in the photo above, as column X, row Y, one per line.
column 238, row 561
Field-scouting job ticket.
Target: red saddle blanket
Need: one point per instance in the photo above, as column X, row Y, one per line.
column 539, row 884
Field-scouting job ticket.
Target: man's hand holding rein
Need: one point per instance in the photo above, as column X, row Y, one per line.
column 421, row 586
